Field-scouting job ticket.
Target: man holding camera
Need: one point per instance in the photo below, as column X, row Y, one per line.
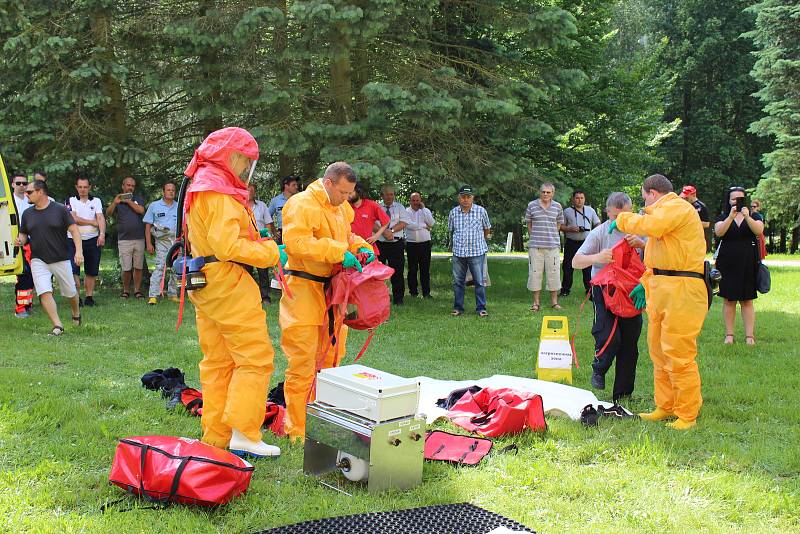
column 129, row 208
column 579, row 219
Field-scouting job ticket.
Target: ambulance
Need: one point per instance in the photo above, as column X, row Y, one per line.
column 10, row 256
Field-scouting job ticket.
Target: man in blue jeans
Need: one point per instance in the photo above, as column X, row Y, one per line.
column 469, row 225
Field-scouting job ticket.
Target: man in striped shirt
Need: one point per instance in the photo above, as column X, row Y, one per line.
column 469, row 225
column 545, row 217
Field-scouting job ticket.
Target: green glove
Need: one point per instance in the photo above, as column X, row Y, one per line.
column 638, row 297
column 612, row 227
column 350, row 260
column 370, row 253
column 284, row 257
column 264, row 232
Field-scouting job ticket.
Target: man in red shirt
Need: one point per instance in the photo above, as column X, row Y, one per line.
column 370, row 219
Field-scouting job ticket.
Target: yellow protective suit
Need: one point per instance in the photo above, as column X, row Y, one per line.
column 676, row 305
column 316, row 235
column 231, row 324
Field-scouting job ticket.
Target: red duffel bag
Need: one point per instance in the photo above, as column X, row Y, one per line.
column 497, row 412
column 167, row 469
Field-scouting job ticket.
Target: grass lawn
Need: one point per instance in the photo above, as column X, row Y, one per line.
column 64, row 401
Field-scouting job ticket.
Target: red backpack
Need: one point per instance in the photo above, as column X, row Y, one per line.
column 618, row 278
column 361, row 298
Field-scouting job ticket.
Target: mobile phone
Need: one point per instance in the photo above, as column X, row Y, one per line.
column 126, row 196
column 740, row 203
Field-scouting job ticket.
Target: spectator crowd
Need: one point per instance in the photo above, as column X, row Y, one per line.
column 61, row 241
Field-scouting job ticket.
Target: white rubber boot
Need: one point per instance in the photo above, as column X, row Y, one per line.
column 241, row 446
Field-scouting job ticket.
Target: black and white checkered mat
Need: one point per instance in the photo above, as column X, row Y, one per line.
column 440, row 519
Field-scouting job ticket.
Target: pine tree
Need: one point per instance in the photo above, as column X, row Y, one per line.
column 777, row 69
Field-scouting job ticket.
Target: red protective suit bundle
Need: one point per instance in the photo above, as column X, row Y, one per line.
column 167, row 469
column 362, row 297
column 618, row 278
column 497, row 412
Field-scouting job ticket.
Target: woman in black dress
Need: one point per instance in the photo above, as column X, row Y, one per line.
column 737, row 261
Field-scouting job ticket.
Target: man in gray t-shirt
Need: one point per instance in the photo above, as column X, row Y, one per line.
column 596, row 252
column 129, row 208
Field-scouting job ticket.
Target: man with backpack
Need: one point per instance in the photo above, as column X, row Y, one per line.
column 318, row 238
column 674, row 290
column 595, row 252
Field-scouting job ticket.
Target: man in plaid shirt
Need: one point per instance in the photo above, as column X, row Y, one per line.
column 469, row 225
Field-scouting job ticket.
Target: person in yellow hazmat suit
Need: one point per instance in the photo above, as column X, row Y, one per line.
column 674, row 291
column 317, row 236
column 231, row 324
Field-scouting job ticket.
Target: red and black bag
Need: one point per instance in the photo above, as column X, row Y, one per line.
column 166, row 469
column 497, row 412
column 456, row 448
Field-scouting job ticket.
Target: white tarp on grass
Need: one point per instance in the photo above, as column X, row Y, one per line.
column 558, row 399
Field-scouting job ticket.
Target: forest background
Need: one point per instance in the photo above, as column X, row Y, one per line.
column 423, row 94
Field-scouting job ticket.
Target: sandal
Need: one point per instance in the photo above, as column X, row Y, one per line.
column 76, row 320
column 534, row 308
column 483, row 313
column 139, row 295
column 56, row 331
column 124, row 295
column 726, row 342
column 750, row 340
column 456, row 313
column 557, row 306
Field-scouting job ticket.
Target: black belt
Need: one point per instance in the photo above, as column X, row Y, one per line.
column 689, row 274
column 308, row 276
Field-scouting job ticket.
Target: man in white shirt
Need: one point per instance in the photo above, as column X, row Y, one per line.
column 23, row 290
column 87, row 211
column 418, row 245
column 392, row 243
column 579, row 219
column 263, row 220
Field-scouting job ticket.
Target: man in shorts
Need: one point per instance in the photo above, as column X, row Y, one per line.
column 130, row 236
column 45, row 224
column 87, row 212
column 545, row 218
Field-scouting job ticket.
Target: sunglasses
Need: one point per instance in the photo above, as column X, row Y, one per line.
column 20, row 183
column 30, row 191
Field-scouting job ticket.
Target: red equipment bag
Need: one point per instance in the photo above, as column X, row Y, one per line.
column 165, row 469
column 497, row 412
column 456, row 448
column 618, row 278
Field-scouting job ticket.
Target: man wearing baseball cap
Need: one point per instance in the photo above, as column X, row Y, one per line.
column 689, row 194
column 469, row 225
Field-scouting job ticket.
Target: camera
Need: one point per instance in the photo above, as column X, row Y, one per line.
column 126, row 196
column 740, row 203
column 582, row 229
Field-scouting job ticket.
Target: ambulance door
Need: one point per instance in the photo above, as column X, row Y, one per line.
column 10, row 256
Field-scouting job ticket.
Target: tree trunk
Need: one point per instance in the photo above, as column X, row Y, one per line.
column 687, row 121
column 794, row 243
column 209, row 64
column 283, row 75
column 341, row 72
column 114, row 111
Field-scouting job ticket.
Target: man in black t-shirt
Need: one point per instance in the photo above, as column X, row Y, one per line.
column 45, row 224
column 689, row 193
